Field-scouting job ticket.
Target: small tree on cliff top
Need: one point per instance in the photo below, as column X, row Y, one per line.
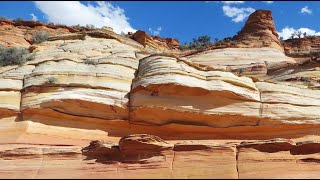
column 200, row 42
column 298, row 33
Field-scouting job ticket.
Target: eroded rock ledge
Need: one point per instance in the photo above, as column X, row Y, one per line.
column 203, row 159
column 144, row 155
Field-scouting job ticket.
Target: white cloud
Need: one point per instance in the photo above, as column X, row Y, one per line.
column 306, row 10
column 268, row 2
column 34, row 17
column 237, row 14
column 73, row 13
column 233, row 2
column 155, row 32
column 287, row 32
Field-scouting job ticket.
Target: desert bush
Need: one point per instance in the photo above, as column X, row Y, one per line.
column 233, row 43
column 14, row 56
column 198, row 43
column 184, row 46
column 225, row 41
column 40, row 37
column 3, row 18
column 305, row 79
column 308, row 83
column 90, row 62
column 241, row 70
column 18, row 21
column 90, row 26
column 202, row 42
column 52, row 80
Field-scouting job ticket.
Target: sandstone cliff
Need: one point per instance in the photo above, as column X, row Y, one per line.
column 144, row 114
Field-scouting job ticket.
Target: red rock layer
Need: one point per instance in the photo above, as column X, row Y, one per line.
column 155, row 41
column 147, row 156
column 302, row 47
column 12, row 35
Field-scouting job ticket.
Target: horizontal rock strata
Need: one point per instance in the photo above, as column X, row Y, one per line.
column 274, row 158
column 169, row 91
column 254, row 62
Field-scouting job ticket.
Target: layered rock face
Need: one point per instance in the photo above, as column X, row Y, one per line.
column 305, row 51
column 159, row 95
column 178, row 93
column 12, row 35
column 146, row 156
column 80, row 78
column 258, row 51
column 214, row 114
column 302, row 47
column 253, row 62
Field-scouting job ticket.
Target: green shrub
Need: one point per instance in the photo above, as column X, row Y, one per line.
column 90, row 26
column 18, row 21
column 40, row 37
column 198, row 43
column 233, row 43
column 241, row 70
column 225, row 41
column 308, row 84
column 52, row 80
column 305, row 79
column 3, row 18
column 14, row 56
column 184, row 46
column 90, row 62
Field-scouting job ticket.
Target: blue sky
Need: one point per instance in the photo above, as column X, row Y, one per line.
column 177, row 19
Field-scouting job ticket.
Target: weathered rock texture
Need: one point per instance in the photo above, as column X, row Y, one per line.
column 155, row 115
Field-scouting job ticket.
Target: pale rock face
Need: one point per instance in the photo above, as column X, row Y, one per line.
column 305, row 75
column 289, row 104
column 17, row 73
column 79, row 50
column 10, row 84
column 167, row 91
column 100, row 89
column 123, row 84
column 10, row 100
column 102, row 104
column 245, row 61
